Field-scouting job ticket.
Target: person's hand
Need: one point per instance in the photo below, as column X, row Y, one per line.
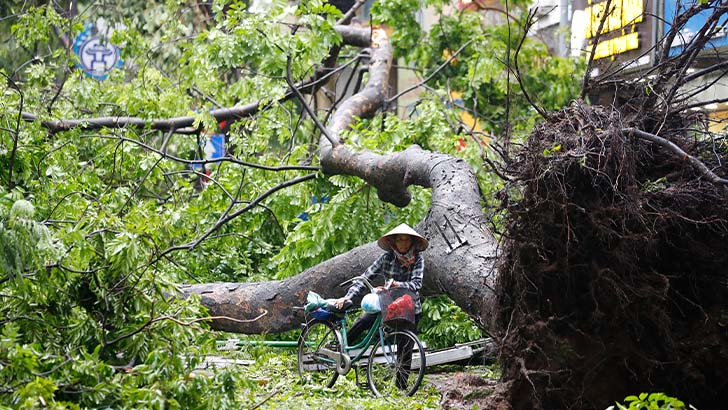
column 391, row 283
column 340, row 302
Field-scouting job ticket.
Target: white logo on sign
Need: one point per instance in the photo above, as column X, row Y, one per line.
column 98, row 57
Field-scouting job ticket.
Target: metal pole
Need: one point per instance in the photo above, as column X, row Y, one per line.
column 563, row 26
column 269, row 343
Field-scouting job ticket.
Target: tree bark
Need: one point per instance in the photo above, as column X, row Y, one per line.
column 460, row 261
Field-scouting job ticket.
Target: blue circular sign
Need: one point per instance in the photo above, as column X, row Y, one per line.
column 96, row 54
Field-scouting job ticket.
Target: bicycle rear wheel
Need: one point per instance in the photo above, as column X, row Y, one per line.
column 318, row 348
column 397, row 364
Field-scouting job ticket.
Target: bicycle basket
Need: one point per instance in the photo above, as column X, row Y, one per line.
column 398, row 306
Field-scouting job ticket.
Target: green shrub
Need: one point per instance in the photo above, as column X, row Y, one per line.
column 650, row 401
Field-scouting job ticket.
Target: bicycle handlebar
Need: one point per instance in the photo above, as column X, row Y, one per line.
column 362, row 278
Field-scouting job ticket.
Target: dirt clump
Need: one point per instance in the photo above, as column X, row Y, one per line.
column 463, row 390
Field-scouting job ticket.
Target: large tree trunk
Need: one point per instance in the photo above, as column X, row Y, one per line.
column 461, row 257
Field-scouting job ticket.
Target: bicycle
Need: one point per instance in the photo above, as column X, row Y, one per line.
column 324, row 354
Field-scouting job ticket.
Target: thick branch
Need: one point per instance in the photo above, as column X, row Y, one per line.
column 367, row 101
column 161, row 152
column 155, row 124
column 350, row 35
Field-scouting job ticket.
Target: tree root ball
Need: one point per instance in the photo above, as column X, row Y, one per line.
column 614, row 276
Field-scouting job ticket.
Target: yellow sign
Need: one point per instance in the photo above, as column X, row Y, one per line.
column 616, row 45
column 623, row 13
column 466, row 117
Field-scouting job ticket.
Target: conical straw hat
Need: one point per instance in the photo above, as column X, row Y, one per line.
column 420, row 242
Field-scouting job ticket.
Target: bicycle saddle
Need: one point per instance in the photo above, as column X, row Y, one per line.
column 331, row 308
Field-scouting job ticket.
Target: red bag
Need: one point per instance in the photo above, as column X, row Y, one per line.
column 402, row 308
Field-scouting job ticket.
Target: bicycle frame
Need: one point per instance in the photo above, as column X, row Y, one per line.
column 366, row 342
column 368, row 338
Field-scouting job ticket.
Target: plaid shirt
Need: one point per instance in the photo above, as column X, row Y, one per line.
column 387, row 266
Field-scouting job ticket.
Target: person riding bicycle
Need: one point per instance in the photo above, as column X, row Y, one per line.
column 404, row 264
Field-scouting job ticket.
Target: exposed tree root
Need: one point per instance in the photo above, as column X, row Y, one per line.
column 614, row 278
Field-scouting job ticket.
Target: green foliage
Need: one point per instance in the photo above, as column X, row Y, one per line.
column 551, row 150
column 478, row 72
column 87, row 321
column 18, row 231
column 74, row 338
column 399, row 14
column 36, row 25
column 651, row 401
column 353, row 217
column 444, row 324
column 273, row 378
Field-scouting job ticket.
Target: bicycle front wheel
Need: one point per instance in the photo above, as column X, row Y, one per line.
column 318, row 349
column 396, row 365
